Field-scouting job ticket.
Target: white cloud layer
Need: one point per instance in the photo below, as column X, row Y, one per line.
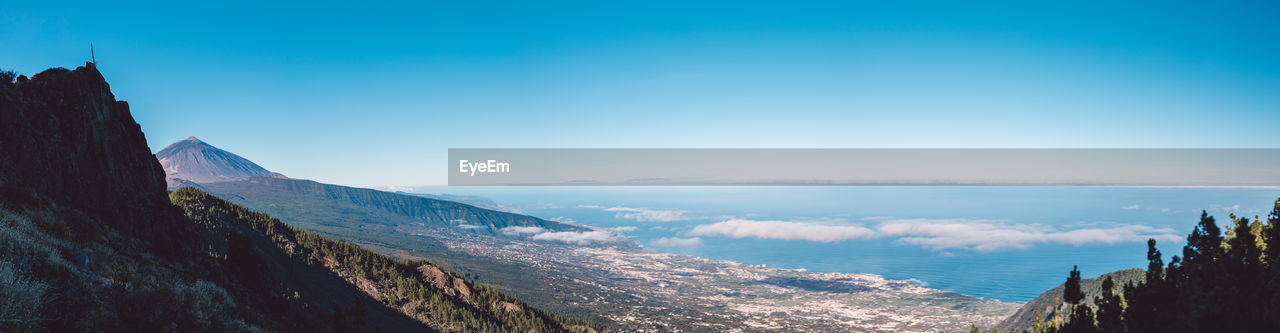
column 817, row 231
column 938, row 234
column 645, row 214
column 580, row 237
column 622, row 229
column 989, row 235
column 677, row 242
column 517, row 231
column 600, row 236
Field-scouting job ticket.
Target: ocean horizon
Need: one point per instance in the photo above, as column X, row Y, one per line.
column 1007, row 243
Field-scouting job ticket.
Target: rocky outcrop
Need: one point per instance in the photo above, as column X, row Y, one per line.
column 65, row 138
column 450, row 284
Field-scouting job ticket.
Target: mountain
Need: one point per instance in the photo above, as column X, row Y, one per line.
column 411, row 226
column 195, row 161
column 331, row 209
column 1050, row 302
column 335, row 208
column 91, row 241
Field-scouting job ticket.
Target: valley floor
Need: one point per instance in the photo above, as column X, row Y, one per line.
column 641, row 290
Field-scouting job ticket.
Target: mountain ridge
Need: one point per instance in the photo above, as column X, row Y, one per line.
column 326, row 202
column 329, row 207
column 193, row 160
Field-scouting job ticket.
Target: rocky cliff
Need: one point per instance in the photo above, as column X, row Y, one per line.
column 65, row 137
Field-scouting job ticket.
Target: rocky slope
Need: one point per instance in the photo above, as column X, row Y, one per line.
column 196, row 161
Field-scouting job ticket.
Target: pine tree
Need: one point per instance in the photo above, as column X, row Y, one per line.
column 1110, row 308
column 1243, row 253
column 1073, row 295
column 1142, row 313
column 1038, row 325
column 1271, row 237
column 1081, row 320
column 1271, row 275
column 1204, row 245
column 1081, row 317
column 1155, row 263
column 1204, row 273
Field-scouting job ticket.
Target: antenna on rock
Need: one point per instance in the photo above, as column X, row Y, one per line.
column 93, row 60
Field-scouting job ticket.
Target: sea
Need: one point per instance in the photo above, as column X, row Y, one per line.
column 1007, row 243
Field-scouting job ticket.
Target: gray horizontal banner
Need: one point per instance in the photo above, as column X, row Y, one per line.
column 1192, row 167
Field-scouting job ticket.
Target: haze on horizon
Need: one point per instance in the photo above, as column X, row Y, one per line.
column 374, row 95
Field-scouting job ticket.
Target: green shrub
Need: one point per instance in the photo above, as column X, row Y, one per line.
column 21, row 298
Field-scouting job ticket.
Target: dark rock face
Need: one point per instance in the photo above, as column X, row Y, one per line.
column 195, row 161
column 65, row 137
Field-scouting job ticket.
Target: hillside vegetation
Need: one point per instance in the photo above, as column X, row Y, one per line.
column 420, row 289
column 391, row 223
column 1049, row 305
column 1220, row 283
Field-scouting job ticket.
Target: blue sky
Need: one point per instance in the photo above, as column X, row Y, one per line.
column 374, row 95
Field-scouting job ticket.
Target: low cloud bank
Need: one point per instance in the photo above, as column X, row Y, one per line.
column 517, row 231
column 677, row 242
column 990, row 235
column 817, row 231
column 623, row 229
column 580, row 237
column 937, row 234
column 645, row 214
column 590, row 237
